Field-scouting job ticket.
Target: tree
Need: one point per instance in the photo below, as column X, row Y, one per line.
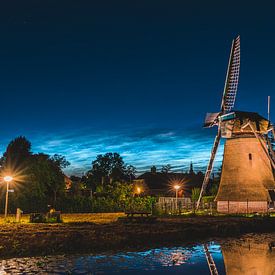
column 17, row 153
column 89, row 181
column 166, row 169
column 60, row 161
column 130, row 172
column 77, row 184
column 46, row 175
column 109, row 167
column 38, row 178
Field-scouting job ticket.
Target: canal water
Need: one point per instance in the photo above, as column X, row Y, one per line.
column 250, row 254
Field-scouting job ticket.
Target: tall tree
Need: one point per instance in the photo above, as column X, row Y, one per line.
column 17, row 153
column 130, row 172
column 46, row 174
column 60, row 161
column 38, row 178
column 107, row 168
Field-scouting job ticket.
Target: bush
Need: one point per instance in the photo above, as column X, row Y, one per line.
column 112, row 198
column 207, row 199
column 76, row 204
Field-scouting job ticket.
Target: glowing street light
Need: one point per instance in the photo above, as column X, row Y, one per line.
column 7, row 179
column 138, row 190
column 176, row 187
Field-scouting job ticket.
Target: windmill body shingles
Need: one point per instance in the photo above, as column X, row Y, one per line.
column 246, row 174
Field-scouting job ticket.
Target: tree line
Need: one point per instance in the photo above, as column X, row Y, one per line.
column 39, row 182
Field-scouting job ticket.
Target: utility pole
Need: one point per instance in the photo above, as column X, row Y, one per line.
column 268, row 107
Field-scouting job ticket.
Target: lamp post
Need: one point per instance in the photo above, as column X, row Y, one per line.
column 177, row 187
column 7, row 179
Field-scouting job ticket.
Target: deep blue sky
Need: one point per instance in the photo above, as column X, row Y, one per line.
column 81, row 78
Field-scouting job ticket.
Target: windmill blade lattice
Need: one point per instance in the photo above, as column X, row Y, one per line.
column 228, row 101
column 232, row 77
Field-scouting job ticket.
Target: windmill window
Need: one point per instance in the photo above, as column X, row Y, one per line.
column 250, row 156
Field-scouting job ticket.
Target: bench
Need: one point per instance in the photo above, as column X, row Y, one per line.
column 137, row 213
column 138, row 217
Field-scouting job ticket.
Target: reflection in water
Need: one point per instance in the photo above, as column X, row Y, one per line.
column 251, row 254
column 187, row 260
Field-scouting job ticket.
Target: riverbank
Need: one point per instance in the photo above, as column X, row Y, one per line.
column 94, row 233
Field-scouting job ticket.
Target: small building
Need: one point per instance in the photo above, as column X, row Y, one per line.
column 161, row 184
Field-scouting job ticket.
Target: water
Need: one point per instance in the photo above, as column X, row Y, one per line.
column 250, row 254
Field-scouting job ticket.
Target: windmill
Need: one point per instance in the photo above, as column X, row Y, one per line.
column 247, row 182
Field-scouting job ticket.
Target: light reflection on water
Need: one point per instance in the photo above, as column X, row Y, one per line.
column 248, row 255
column 190, row 260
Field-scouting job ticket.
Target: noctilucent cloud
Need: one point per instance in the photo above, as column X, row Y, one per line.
column 80, row 78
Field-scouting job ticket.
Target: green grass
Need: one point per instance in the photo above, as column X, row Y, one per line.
column 98, row 218
column 104, row 218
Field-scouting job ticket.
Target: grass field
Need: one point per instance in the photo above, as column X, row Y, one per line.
column 103, row 218
column 98, row 218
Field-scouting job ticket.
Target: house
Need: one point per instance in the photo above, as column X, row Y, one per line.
column 162, row 184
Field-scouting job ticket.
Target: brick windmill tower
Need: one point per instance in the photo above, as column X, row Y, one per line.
column 247, row 180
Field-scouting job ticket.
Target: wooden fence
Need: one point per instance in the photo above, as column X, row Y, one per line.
column 172, row 205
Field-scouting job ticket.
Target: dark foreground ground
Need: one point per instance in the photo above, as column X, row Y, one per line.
column 73, row 237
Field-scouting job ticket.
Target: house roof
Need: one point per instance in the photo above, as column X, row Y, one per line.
column 163, row 182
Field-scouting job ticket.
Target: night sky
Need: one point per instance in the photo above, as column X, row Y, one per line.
column 81, row 78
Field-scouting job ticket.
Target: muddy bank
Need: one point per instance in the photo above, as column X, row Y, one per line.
column 47, row 239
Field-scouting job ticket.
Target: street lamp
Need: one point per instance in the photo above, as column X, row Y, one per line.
column 177, row 187
column 7, row 179
column 138, row 190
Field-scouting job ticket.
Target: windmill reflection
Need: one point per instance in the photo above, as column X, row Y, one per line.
column 249, row 256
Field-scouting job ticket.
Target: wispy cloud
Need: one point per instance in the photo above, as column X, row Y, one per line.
column 139, row 147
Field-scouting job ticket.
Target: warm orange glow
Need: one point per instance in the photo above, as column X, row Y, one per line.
column 14, row 174
column 138, row 190
column 8, row 178
column 176, row 181
column 177, row 187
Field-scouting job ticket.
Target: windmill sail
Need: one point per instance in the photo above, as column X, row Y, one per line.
column 232, row 77
column 210, row 166
column 228, row 101
column 211, row 120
